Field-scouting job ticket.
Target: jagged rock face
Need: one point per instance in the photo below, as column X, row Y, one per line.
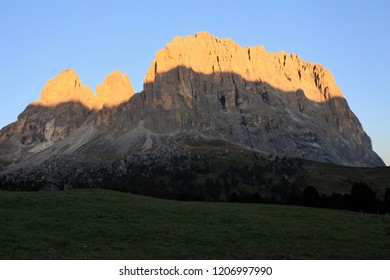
column 116, row 89
column 62, row 109
column 66, row 87
column 197, row 87
column 205, row 54
column 38, row 128
column 275, row 103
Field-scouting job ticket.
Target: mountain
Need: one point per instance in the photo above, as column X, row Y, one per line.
column 197, row 90
column 62, row 109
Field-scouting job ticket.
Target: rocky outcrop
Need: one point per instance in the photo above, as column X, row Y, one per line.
column 115, row 89
column 199, row 88
column 272, row 102
column 38, row 128
column 62, row 109
column 208, row 55
column 67, row 87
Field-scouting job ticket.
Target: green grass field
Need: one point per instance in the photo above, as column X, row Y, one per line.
column 100, row 224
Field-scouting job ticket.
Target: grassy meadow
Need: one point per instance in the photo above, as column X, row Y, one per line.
column 101, row 224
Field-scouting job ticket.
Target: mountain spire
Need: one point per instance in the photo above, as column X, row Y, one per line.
column 67, row 87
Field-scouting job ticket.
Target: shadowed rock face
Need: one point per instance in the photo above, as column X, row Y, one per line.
column 38, row 128
column 197, row 87
column 251, row 114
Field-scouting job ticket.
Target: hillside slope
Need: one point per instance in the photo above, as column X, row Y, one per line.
column 96, row 224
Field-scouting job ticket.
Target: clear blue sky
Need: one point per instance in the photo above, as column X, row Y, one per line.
column 41, row 38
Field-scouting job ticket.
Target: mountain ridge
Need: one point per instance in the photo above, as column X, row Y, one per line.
column 198, row 86
column 207, row 54
column 67, row 87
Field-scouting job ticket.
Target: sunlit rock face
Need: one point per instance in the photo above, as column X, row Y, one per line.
column 208, row 55
column 198, row 87
column 115, row 89
column 273, row 102
column 67, row 87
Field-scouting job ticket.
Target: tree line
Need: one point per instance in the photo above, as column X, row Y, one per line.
column 182, row 176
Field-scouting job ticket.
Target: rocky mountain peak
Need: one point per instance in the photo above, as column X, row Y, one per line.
column 115, row 89
column 198, row 88
column 66, row 87
column 273, row 102
column 206, row 54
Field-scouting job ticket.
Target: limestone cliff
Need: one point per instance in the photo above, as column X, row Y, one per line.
column 67, row 87
column 62, row 109
column 116, row 89
column 199, row 88
column 205, row 54
column 272, row 102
